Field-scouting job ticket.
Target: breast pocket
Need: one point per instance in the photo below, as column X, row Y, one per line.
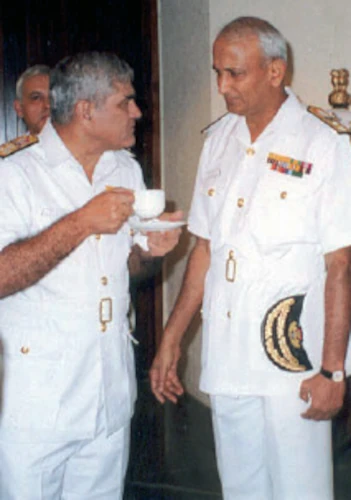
column 32, row 376
column 213, row 190
column 284, row 211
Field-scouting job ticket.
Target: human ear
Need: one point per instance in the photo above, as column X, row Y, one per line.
column 277, row 72
column 18, row 108
column 84, row 110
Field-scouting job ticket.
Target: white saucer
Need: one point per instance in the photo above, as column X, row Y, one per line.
column 155, row 225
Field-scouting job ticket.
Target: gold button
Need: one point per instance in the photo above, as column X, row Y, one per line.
column 211, row 192
column 131, row 232
column 283, row 195
column 250, row 151
column 229, row 314
column 24, row 350
column 97, row 236
column 241, row 202
column 104, row 280
column 103, row 327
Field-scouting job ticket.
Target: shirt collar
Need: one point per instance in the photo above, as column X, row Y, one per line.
column 57, row 153
column 287, row 119
column 54, row 148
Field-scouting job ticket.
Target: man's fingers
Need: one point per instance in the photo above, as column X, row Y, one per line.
column 169, row 391
column 157, row 375
column 171, row 396
column 165, row 384
column 155, row 378
column 172, row 216
column 318, row 415
column 309, row 414
column 161, row 243
column 325, row 397
column 159, row 396
column 173, row 383
column 155, row 385
column 163, row 376
column 305, row 393
column 120, row 190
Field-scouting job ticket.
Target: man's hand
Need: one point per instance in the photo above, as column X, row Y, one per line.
column 160, row 243
column 326, row 397
column 25, row 262
column 108, row 211
column 164, row 380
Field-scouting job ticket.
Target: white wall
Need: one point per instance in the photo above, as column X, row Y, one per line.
column 319, row 34
column 185, row 61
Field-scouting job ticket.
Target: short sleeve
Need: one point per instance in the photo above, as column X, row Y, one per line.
column 15, row 206
column 198, row 220
column 334, row 215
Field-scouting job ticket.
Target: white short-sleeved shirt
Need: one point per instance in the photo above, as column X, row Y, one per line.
column 273, row 209
column 57, row 358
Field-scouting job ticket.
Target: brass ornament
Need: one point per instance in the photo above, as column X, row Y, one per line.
column 339, row 97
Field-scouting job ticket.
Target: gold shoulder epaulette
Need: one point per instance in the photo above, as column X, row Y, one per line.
column 330, row 119
column 21, row 142
column 213, row 123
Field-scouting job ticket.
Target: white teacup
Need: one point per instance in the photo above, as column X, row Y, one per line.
column 149, row 203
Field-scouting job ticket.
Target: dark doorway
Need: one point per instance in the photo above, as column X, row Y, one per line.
column 42, row 32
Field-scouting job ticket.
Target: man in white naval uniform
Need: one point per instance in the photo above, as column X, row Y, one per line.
column 32, row 106
column 271, row 266
column 32, row 103
column 69, row 384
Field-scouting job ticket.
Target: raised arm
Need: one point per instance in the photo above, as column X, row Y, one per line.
column 163, row 373
column 25, row 262
column 326, row 395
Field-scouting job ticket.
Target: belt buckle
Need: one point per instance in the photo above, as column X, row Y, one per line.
column 105, row 312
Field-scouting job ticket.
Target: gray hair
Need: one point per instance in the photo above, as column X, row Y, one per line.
column 90, row 76
column 37, row 69
column 273, row 44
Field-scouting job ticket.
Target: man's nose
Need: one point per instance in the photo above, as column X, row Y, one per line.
column 135, row 110
column 47, row 103
column 223, row 83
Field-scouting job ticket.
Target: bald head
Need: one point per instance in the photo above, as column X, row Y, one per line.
column 271, row 42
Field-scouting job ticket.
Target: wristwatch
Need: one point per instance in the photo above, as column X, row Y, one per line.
column 337, row 376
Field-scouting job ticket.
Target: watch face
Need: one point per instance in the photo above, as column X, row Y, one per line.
column 338, row 376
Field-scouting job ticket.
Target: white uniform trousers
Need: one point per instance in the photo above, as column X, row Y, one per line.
column 78, row 470
column 267, row 451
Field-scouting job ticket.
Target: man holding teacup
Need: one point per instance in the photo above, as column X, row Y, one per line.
column 69, row 384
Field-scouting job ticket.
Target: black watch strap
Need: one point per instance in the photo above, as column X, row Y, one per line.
column 337, row 376
column 326, row 373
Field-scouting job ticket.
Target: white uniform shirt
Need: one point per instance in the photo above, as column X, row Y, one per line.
column 277, row 227
column 58, row 360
